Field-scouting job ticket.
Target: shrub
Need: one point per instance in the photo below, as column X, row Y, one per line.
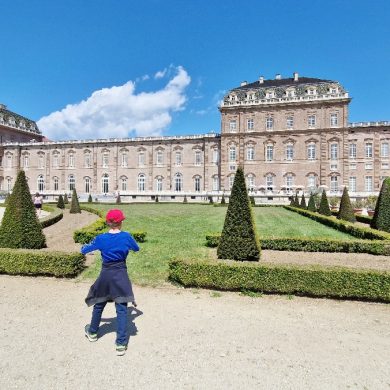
column 89, row 198
column 223, row 200
column 312, row 205
column 345, row 212
column 156, row 199
column 118, row 199
column 381, row 218
column 74, row 206
column 252, row 200
column 303, row 202
column 185, row 199
column 60, row 203
column 66, row 200
column 20, row 227
column 239, row 240
column 55, row 216
column 211, row 200
column 296, row 200
column 324, row 205
column 38, row 262
column 334, row 282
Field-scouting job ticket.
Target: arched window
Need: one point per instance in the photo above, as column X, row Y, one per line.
column 123, row 183
column 55, row 183
column 141, row 182
column 105, row 182
column 71, row 182
column 41, row 183
column 87, row 184
column 178, row 182
column 159, row 183
column 197, row 183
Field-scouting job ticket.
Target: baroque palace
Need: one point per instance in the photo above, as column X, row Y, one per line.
column 289, row 134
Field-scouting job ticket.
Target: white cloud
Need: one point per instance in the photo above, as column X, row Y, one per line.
column 119, row 112
column 160, row 74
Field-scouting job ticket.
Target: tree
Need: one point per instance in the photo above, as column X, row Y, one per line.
column 211, row 201
column 60, row 202
column 239, row 240
column 345, row 211
column 185, row 199
column 296, row 200
column 223, row 200
column 303, row 202
column 324, row 205
column 66, row 200
column 312, row 204
column 381, row 218
column 74, row 206
column 89, row 198
column 20, row 227
column 156, row 199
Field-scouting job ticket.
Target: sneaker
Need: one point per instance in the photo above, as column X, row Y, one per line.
column 120, row 349
column 90, row 336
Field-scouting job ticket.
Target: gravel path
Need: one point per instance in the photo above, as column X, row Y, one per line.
column 189, row 339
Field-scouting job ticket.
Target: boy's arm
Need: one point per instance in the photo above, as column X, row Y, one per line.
column 133, row 244
column 92, row 246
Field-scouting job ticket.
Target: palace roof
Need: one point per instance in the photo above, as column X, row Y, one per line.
column 9, row 118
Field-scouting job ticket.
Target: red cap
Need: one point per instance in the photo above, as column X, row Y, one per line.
column 115, row 216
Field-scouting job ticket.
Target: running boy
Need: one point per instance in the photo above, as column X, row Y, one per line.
column 113, row 283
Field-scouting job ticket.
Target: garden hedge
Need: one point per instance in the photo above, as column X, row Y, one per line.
column 40, row 262
column 343, row 226
column 56, row 215
column 315, row 281
column 374, row 247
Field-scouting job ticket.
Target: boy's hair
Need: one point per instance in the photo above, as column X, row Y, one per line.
column 113, row 224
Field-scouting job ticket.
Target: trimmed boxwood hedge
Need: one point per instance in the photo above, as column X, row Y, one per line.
column 56, row 215
column 374, row 247
column 40, row 262
column 343, row 226
column 315, row 281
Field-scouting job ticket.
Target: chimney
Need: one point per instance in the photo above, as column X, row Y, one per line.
column 261, row 80
column 278, row 76
column 243, row 83
column 295, row 74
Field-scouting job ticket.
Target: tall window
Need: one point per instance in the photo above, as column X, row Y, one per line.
column 368, row 183
column 334, row 120
column 269, row 181
column 198, row 157
column 334, row 151
column 26, row 161
column 55, row 183
column 311, row 152
column 334, row 184
column 55, row 160
column 250, row 124
column 269, row 123
column 141, row 159
column 105, row 161
column 250, row 182
column 105, row 182
column 87, row 185
column 290, row 122
column 269, row 153
column 232, row 154
column 231, row 180
column 71, row 182
column 352, row 150
column 123, row 183
column 311, row 121
column 71, row 160
column 289, row 182
column 159, row 157
column 352, row 183
column 215, row 183
column 8, row 184
column 178, row 182
column 289, row 152
column 250, row 153
column 141, row 182
column 41, row 183
column 215, row 156
column 124, row 160
column 178, row 158
column 87, row 160
column 233, row 126
column 369, row 150
column 197, row 183
column 311, row 181
column 41, row 161
column 9, row 161
column 159, row 184
column 385, row 149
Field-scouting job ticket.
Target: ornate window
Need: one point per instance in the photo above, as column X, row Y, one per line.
column 105, row 159
column 178, row 158
column 124, row 159
column 250, row 124
column 41, row 183
column 269, row 154
column 385, row 149
column 368, row 183
column 289, row 152
column 215, row 156
column 141, row 159
column 311, row 121
column 8, row 181
column 269, row 123
column 215, row 183
column 178, row 182
column 231, row 181
column 334, row 151
column 250, row 153
column 250, row 182
column 334, row 120
column 198, row 157
column 26, row 161
column 232, row 154
column 159, row 183
column 269, row 182
column 311, row 152
column 334, row 183
column 197, row 183
column 105, row 183
column 87, row 184
column 55, row 183
column 56, row 159
column 352, row 150
column 141, row 182
column 352, row 183
column 311, row 181
column 233, row 126
column 9, row 161
column 368, row 150
column 159, row 157
column 87, row 160
column 71, row 182
column 123, row 183
column 71, row 162
column 41, row 161
column 290, row 122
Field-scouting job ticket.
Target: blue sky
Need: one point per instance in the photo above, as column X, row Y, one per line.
column 172, row 60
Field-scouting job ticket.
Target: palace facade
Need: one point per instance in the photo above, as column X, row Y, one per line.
column 289, row 134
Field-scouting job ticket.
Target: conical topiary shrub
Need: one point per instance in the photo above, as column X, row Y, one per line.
column 89, row 198
column 60, row 202
column 296, row 200
column 239, row 240
column 381, row 218
column 156, row 199
column 252, row 200
column 185, row 199
column 74, row 206
column 324, row 205
column 66, row 200
column 118, row 199
column 312, row 204
column 211, row 201
column 303, row 202
column 223, row 200
column 345, row 211
column 20, row 227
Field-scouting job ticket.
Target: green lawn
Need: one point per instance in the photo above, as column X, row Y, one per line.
column 179, row 230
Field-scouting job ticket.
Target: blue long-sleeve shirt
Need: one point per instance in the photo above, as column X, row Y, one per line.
column 113, row 246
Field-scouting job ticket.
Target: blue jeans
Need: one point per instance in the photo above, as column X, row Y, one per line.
column 121, row 320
